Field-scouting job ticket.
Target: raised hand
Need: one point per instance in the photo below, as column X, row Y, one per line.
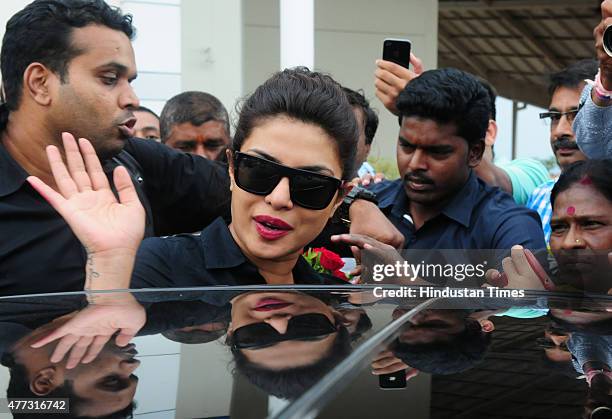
column 87, row 203
column 521, row 271
column 605, row 61
column 391, row 79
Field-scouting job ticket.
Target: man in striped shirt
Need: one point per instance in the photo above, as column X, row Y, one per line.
column 565, row 88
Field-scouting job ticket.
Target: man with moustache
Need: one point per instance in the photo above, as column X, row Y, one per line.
column 439, row 202
column 564, row 88
column 77, row 79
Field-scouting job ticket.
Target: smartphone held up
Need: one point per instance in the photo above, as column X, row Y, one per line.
column 397, row 51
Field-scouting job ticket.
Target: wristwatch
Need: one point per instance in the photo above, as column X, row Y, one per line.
column 357, row 192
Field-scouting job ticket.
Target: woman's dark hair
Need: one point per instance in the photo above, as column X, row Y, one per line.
column 448, row 96
column 306, row 96
column 290, row 383
column 42, row 32
column 597, row 173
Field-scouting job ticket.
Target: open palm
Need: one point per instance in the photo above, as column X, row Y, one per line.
column 86, row 201
column 86, row 333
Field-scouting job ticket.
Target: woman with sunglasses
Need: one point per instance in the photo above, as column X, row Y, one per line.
column 293, row 150
column 283, row 342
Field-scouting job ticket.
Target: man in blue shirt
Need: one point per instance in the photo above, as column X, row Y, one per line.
column 439, row 203
column 564, row 88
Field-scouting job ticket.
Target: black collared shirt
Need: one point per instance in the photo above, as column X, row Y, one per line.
column 209, row 258
column 477, row 217
column 38, row 251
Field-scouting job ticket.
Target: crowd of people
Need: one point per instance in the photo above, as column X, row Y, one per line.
column 99, row 193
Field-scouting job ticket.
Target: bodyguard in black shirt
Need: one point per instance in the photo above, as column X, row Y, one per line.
column 77, row 79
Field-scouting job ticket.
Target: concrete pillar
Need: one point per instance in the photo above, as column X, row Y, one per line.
column 211, row 44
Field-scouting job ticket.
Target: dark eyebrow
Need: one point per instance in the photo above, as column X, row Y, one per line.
column 120, row 68
column 443, row 148
column 314, row 168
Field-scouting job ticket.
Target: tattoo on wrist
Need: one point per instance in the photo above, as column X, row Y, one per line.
column 90, row 268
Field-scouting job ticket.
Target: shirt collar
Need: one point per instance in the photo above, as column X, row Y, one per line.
column 459, row 209
column 220, row 249
column 13, row 176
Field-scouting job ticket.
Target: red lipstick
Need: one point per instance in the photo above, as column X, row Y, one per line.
column 271, row 228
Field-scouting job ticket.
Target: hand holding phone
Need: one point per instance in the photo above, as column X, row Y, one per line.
column 397, row 51
column 393, row 74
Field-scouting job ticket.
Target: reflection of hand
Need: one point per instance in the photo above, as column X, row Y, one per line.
column 521, row 271
column 387, row 363
column 86, row 333
column 368, row 220
column 605, row 61
column 391, row 79
column 87, row 202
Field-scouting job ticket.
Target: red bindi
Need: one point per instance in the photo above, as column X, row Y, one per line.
column 570, row 210
column 586, row 181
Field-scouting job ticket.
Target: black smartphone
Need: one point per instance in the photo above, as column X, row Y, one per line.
column 392, row 381
column 397, row 51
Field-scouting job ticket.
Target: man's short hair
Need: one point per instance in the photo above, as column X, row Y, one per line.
column 448, row 96
column 492, row 96
column 145, row 109
column 42, row 32
column 357, row 99
column 459, row 354
column 193, row 107
column 19, row 388
column 573, row 75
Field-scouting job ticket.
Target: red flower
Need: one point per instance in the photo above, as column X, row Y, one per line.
column 330, row 260
column 339, row 274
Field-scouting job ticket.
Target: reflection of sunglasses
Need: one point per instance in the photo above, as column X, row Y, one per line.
column 548, row 344
column 260, row 176
column 305, row 327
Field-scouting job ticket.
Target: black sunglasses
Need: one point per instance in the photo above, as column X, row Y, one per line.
column 304, row 327
column 307, row 189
